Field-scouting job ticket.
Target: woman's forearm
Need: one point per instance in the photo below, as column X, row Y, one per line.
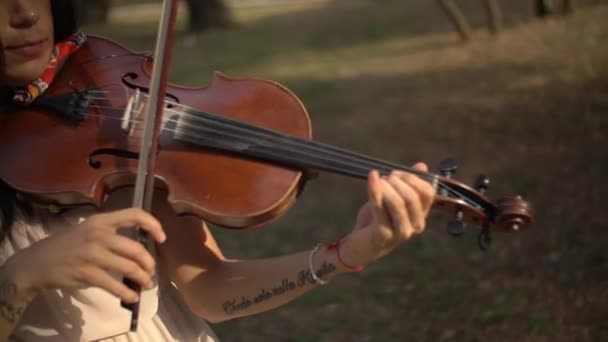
column 15, row 296
column 243, row 288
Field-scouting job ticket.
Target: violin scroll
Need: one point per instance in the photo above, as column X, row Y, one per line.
column 469, row 205
column 513, row 213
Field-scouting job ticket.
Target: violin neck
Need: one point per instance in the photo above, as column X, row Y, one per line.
column 258, row 143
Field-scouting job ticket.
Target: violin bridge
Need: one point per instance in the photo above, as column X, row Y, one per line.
column 132, row 112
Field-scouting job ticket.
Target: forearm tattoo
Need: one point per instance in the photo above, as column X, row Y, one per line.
column 11, row 309
column 303, row 278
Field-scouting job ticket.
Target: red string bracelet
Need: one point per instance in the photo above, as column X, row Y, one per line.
column 336, row 246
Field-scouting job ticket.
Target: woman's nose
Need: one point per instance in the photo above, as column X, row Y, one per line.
column 23, row 15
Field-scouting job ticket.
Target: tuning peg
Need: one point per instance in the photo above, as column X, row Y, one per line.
column 482, row 183
column 484, row 239
column 448, row 167
column 456, row 226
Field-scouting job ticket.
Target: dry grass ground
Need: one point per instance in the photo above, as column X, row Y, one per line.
column 528, row 108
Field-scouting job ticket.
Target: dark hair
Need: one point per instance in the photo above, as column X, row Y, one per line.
column 64, row 18
column 8, row 199
column 64, row 22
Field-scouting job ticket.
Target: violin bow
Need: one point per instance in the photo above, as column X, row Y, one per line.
column 144, row 183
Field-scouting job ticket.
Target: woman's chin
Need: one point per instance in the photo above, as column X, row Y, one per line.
column 18, row 78
column 18, row 72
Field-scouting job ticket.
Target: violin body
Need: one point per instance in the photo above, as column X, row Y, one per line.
column 78, row 162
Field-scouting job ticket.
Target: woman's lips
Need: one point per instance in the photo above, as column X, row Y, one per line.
column 30, row 49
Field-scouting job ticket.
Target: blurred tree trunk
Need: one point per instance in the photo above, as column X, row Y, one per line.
column 494, row 15
column 542, row 8
column 457, row 18
column 548, row 7
column 206, row 14
column 569, row 6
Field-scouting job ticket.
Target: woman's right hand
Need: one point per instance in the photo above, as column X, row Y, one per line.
column 84, row 255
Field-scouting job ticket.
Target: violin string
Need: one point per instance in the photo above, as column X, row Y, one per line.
column 342, row 171
column 97, row 98
column 317, row 164
column 168, row 129
column 359, row 173
column 329, row 162
column 227, row 123
column 323, row 148
column 295, row 157
column 128, row 54
column 185, row 115
column 303, row 144
column 186, row 109
column 98, row 92
column 327, row 147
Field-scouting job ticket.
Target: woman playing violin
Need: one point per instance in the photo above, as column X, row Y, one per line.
column 60, row 273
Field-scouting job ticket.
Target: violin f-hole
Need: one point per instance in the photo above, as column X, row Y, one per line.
column 129, row 80
column 96, row 164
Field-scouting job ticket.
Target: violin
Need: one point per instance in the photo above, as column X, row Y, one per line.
column 236, row 152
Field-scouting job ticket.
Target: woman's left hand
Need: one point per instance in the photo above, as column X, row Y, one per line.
column 397, row 209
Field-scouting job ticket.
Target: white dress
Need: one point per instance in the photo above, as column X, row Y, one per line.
column 93, row 314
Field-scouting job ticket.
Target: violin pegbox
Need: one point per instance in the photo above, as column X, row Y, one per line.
column 470, row 206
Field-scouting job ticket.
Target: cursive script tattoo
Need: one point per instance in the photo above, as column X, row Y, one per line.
column 9, row 310
column 304, row 278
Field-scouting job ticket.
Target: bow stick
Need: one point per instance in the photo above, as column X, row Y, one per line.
column 144, row 183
